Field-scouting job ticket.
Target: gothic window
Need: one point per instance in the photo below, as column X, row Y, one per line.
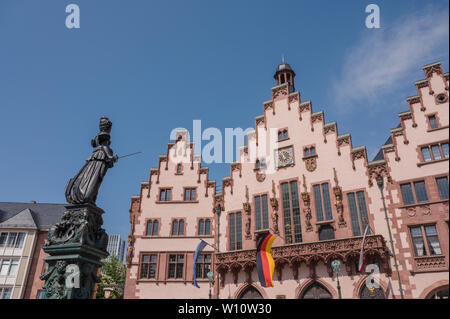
column 326, row 232
column 283, row 135
column 189, row 194
column 261, row 212
column 291, row 211
column 178, row 227
column 176, row 266
column 322, row 202
column 309, row 151
column 316, row 291
column 251, row 293
column 235, row 225
column 165, row 194
column 358, row 212
column 260, row 164
column 204, row 227
column 148, row 266
column 203, row 265
column 442, row 183
column 152, row 227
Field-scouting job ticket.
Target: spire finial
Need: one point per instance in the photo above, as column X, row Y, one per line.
column 282, row 59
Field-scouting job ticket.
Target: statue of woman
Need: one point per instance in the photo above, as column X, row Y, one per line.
column 83, row 188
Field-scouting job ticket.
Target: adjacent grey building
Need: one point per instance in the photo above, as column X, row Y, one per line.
column 116, row 246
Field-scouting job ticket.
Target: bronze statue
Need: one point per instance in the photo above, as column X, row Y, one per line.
column 83, row 188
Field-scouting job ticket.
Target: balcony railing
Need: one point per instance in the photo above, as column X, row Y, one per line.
column 347, row 250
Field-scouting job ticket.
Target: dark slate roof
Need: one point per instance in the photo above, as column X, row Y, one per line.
column 380, row 155
column 283, row 66
column 22, row 215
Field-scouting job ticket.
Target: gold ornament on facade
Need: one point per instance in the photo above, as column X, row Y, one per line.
column 260, row 177
column 274, row 204
column 338, row 203
column 310, row 163
column 247, row 208
column 307, row 203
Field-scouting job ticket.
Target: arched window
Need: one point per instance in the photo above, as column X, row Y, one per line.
column 179, row 169
column 326, row 232
column 282, row 78
column 285, row 134
column 263, row 163
column 181, row 227
column 313, row 151
column 316, row 291
column 251, row 293
column 152, row 227
column 439, row 294
column 258, row 164
column 207, row 227
column 149, row 228
column 373, row 293
column 201, row 227
column 280, row 135
column 204, row 227
column 175, row 227
column 155, row 227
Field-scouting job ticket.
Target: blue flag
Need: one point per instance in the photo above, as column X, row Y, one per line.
column 199, row 249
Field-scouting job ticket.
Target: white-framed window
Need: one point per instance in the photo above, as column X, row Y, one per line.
column 5, row 292
column 9, row 267
column 12, row 239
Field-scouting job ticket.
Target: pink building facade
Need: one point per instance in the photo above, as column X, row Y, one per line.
column 304, row 181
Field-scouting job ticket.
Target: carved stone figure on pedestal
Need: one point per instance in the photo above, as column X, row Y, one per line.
column 77, row 243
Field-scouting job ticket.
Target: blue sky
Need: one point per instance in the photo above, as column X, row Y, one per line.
column 152, row 66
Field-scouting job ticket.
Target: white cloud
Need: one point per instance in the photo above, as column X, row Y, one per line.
column 383, row 59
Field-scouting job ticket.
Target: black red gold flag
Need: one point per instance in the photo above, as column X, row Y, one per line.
column 264, row 261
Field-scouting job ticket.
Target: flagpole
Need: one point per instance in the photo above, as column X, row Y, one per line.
column 213, row 247
column 276, row 235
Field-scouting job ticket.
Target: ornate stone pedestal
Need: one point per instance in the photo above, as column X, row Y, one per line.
column 76, row 245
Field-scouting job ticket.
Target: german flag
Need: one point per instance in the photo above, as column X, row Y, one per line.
column 264, row 260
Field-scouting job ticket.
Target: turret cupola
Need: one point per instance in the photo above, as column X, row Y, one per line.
column 284, row 74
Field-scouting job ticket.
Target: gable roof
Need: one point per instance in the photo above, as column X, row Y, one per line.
column 23, row 219
column 30, row 215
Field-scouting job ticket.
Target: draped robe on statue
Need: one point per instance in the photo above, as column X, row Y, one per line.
column 83, row 188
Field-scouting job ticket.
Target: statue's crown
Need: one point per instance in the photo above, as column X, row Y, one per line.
column 105, row 124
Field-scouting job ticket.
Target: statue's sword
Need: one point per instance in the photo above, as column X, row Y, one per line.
column 129, row 155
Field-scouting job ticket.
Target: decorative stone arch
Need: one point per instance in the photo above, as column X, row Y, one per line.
column 361, row 282
column 241, row 289
column 301, row 289
column 430, row 290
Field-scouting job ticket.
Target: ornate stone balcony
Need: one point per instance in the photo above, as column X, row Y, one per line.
column 347, row 250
